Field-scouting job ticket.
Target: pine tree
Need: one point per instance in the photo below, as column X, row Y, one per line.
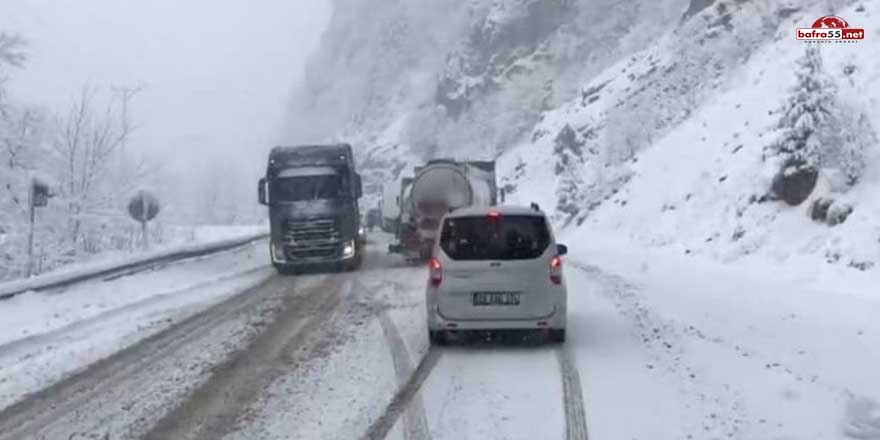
column 810, row 109
column 818, row 131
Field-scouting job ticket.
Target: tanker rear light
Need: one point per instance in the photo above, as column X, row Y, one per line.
column 435, row 272
column 494, row 216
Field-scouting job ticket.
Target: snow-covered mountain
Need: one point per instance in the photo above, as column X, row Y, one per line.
column 662, row 122
column 416, row 78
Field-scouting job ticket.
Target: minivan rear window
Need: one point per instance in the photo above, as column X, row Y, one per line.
column 509, row 237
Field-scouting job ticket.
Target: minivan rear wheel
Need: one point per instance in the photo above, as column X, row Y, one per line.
column 556, row 335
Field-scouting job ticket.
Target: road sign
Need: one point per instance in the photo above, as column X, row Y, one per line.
column 144, row 206
column 39, row 193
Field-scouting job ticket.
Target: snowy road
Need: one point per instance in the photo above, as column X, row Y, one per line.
column 248, row 354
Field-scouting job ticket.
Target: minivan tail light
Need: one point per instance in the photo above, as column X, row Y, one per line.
column 436, row 272
column 556, row 270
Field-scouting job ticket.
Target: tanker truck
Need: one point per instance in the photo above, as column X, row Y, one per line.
column 436, row 188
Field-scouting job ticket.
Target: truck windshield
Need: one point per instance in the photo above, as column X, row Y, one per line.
column 301, row 188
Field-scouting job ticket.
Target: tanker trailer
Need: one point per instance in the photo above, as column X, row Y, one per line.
column 439, row 187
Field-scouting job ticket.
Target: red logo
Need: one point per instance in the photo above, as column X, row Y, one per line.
column 830, row 22
column 830, row 28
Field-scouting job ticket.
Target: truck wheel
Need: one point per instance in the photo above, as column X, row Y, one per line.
column 353, row 264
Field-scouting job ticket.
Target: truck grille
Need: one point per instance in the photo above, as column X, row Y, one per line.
column 297, row 253
column 313, row 230
column 312, row 238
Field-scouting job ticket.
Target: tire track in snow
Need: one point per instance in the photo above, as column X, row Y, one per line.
column 664, row 339
column 214, row 409
column 415, row 422
column 573, row 399
column 14, row 347
column 85, row 401
column 770, row 362
column 383, row 425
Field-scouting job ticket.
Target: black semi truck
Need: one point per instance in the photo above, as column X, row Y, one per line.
column 312, row 192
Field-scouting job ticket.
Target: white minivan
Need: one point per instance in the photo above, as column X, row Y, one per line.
column 496, row 268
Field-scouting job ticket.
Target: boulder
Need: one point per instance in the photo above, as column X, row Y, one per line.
column 819, row 210
column 838, row 213
column 828, row 211
column 794, row 183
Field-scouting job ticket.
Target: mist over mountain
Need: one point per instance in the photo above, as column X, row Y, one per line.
column 472, row 77
column 476, row 77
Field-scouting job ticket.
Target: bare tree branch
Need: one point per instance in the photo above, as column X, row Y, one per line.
column 96, row 163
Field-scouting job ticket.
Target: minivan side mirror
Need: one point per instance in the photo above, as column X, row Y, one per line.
column 262, row 193
column 561, row 249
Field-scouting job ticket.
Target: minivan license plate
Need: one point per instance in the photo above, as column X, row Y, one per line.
column 496, row 298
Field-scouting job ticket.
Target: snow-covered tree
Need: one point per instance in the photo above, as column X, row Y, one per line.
column 17, row 141
column 818, row 131
column 810, row 109
column 87, row 157
column 569, row 149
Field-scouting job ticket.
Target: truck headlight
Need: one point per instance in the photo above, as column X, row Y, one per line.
column 348, row 249
column 277, row 250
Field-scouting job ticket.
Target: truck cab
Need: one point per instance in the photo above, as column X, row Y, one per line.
column 312, row 195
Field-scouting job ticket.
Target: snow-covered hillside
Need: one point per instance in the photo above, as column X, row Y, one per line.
column 659, row 134
column 702, row 186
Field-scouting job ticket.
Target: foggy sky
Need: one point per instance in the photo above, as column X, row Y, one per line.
column 218, row 72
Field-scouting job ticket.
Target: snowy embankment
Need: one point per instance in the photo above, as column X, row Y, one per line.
column 49, row 335
column 713, row 350
column 206, row 240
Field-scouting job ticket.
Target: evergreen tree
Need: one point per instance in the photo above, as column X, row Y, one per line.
column 809, row 110
column 818, row 131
